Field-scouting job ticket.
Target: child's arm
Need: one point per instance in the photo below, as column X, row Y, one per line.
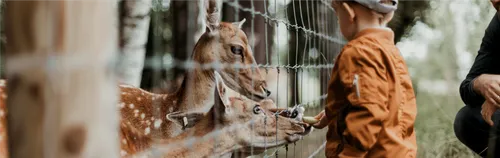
column 364, row 75
column 323, row 120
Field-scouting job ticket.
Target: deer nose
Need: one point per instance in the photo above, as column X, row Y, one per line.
column 268, row 93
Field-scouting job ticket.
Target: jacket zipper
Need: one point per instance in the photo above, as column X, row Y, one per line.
column 356, row 84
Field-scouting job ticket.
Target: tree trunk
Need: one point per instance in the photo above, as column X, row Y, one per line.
column 134, row 26
column 261, row 28
column 297, row 15
column 155, row 47
column 62, row 91
column 184, row 30
column 184, row 20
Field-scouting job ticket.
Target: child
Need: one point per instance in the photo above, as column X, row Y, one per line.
column 371, row 106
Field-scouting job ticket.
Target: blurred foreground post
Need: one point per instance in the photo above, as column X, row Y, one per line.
column 62, row 91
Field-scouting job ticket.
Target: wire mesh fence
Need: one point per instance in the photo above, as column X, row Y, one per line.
column 297, row 47
column 290, row 44
column 294, row 44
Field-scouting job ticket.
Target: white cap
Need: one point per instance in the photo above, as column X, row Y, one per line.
column 378, row 6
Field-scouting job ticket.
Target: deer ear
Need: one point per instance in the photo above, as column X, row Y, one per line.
column 185, row 119
column 213, row 15
column 221, row 89
column 239, row 24
column 213, row 25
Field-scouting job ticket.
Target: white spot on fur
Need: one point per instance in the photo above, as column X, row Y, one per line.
column 139, row 99
column 126, row 86
column 131, row 106
column 152, row 118
column 123, row 153
column 136, row 114
column 148, row 122
column 157, row 123
column 136, row 111
column 143, row 116
column 124, row 93
column 129, row 122
column 124, row 141
column 122, row 105
column 147, row 130
column 2, row 82
column 2, row 113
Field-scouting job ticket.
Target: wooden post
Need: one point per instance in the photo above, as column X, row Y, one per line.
column 62, row 93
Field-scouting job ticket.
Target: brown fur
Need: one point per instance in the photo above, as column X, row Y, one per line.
column 141, row 109
column 237, row 111
column 148, row 108
column 3, row 121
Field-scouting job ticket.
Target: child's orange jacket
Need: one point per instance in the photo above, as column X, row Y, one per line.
column 370, row 88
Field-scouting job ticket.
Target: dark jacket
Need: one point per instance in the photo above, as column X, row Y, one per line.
column 487, row 62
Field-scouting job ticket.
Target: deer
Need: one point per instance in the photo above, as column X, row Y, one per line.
column 137, row 106
column 222, row 42
column 233, row 122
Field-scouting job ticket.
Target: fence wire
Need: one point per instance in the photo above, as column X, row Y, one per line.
column 311, row 29
column 302, row 55
column 310, row 26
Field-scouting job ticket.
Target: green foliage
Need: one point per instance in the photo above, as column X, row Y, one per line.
column 450, row 37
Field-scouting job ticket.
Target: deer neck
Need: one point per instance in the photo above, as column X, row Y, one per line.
column 208, row 140
column 146, row 111
column 197, row 91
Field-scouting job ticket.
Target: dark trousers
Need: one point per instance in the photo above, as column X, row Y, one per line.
column 471, row 129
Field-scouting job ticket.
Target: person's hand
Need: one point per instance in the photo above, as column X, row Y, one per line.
column 487, row 110
column 489, row 87
column 323, row 121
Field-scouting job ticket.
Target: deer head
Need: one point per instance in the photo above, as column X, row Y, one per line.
column 227, row 44
column 257, row 126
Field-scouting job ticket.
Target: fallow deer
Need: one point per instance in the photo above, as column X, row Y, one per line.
column 225, row 43
column 222, row 42
column 239, row 122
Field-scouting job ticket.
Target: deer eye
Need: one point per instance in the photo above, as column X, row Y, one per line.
column 256, row 109
column 238, row 50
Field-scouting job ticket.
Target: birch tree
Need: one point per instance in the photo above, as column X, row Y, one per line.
column 134, row 25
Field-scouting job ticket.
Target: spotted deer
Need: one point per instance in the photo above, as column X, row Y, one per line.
column 233, row 122
column 222, row 42
column 138, row 108
column 145, row 112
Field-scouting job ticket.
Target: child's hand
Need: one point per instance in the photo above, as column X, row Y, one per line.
column 323, row 121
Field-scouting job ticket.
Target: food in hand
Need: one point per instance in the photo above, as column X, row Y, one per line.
column 309, row 120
